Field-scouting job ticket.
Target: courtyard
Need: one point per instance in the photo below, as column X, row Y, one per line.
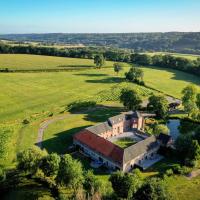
column 126, row 139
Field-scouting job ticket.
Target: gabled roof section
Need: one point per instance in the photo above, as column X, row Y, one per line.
column 116, row 119
column 100, row 128
column 139, row 148
column 100, row 145
column 136, row 114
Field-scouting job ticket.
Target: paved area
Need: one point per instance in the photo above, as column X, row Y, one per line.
column 130, row 134
column 149, row 162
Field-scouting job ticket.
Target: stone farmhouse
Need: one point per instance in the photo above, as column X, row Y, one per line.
column 97, row 142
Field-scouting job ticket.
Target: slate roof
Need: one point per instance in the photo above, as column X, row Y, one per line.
column 100, row 145
column 113, row 152
column 139, row 148
column 116, row 119
column 100, row 128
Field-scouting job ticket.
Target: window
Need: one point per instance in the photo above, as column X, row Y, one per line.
column 118, row 129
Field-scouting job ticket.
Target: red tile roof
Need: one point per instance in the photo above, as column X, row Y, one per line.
column 100, row 145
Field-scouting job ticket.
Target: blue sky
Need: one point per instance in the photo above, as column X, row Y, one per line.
column 98, row 16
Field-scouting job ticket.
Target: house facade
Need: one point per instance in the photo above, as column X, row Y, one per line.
column 95, row 141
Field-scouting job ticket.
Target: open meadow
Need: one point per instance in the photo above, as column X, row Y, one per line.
column 38, row 96
column 188, row 56
column 33, row 62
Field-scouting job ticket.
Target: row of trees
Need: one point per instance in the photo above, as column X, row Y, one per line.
column 171, row 41
column 167, row 61
column 132, row 186
column 179, row 63
column 132, row 100
column 64, row 172
column 59, row 171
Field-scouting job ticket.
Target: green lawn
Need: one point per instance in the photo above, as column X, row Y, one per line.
column 25, row 61
column 125, row 142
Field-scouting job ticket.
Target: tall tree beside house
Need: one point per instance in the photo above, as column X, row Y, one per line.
column 118, row 67
column 99, row 60
column 91, row 183
column 189, row 99
column 70, row 173
column 125, row 184
column 130, row 99
column 50, row 164
column 159, row 105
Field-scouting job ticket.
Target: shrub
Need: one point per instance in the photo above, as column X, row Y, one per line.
column 79, row 105
column 176, row 169
column 50, row 114
column 169, row 172
column 25, row 121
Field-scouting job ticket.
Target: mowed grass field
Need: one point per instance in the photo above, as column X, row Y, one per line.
column 23, row 94
column 188, row 56
column 31, row 62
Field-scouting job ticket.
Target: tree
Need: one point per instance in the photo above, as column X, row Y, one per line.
column 182, row 145
column 70, row 173
column 125, row 184
column 194, row 150
column 198, row 101
column 99, row 60
column 189, row 99
column 153, row 189
column 159, row 105
column 161, row 128
column 50, row 164
column 91, row 183
column 134, row 75
column 29, row 160
column 118, row 67
column 2, row 175
column 130, row 99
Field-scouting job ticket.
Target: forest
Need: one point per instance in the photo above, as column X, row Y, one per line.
column 180, row 42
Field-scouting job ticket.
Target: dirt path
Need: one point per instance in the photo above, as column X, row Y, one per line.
column 45, row 124
column 194, row 174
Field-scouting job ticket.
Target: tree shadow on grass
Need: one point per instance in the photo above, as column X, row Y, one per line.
column 61, row 141
column 91, row 75
column 75, row 66
column 98, row 113
column 107, row 80
column 179, row 75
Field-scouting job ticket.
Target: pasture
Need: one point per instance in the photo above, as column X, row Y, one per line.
column 33, row 62
column 34, row 96
column 188, row 56
column 26, row 94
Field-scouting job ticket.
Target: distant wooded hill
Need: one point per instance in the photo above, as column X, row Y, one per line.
column 172, row 41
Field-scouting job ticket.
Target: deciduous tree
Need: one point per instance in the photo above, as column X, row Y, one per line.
column 118, row 67
column 99, row 60
column 159, row 105
column 130, row 99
